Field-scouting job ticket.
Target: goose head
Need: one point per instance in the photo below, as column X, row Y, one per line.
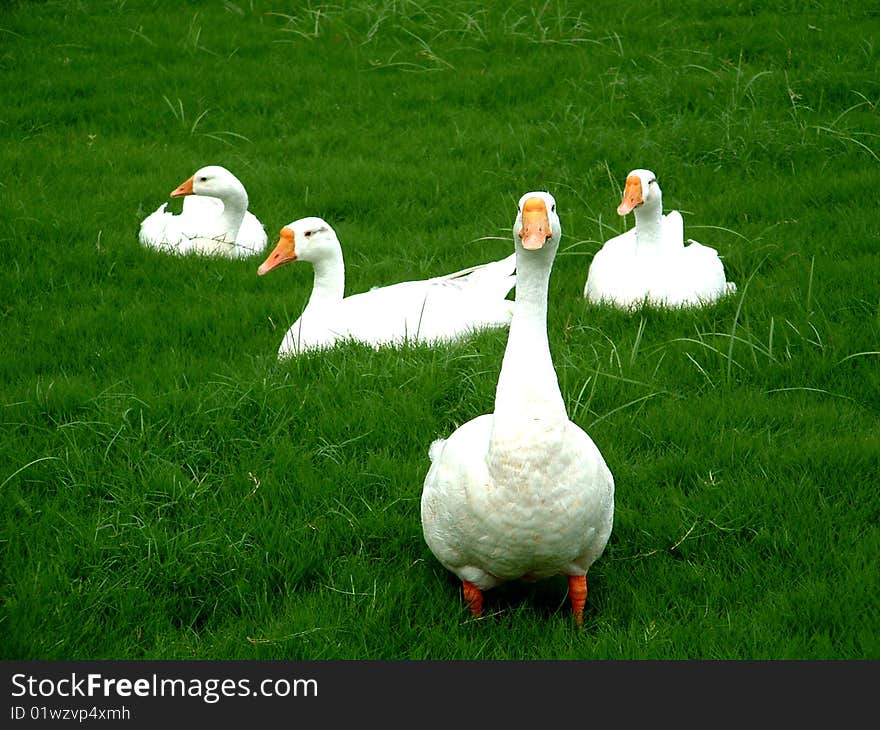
column 307, row 239
column 537, row 225
column 641, row 190
column 213, row 181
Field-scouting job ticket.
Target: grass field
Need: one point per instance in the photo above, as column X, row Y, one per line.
column 169, row 490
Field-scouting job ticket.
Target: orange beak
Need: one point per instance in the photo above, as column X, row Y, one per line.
column 535, row 224
column 185, row 188
column 283, row 253
column 632, row 195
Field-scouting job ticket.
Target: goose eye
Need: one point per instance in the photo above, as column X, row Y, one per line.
column 652, row 181
column 203, row 179
column 308, row 234
column 553, row 208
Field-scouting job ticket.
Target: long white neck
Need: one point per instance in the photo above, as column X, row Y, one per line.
column 228, row 223
column 528, row 389
column 329, row 282
column 649, row 225
column 235, row 205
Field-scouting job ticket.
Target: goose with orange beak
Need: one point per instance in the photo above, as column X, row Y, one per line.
column 214, row 219
column 650, row 265
column 521, row 492
column 428, row 311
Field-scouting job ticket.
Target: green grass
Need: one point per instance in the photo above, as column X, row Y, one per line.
column 168, row 490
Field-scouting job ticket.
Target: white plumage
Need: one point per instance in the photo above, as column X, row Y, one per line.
column 214, row 219
column 650, row 264
column 522, row 492
column 425, row 311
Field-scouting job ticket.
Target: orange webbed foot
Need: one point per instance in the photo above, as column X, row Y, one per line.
column 577, row 590
column 474, row 598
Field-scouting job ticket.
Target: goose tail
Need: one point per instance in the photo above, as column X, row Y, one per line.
column 435, row 449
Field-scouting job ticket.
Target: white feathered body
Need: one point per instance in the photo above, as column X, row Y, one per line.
column 674, row 275
column 529, row 505
column 195, row 230
column 428, row 311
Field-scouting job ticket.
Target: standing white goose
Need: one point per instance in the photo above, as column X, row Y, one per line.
column 214, row 220
column 521, row 492
column 649, row 264
column 425, row 311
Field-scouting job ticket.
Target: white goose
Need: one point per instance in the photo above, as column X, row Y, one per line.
column 426, row 311
column 649, row 264
column 214, row 220
column 521, row 492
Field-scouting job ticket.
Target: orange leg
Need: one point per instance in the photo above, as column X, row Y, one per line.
column 474, row 597
column 577, row 590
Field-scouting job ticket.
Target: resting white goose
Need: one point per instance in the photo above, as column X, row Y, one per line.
column 426, row 311
column 649, row 264
column 214, row 220
column 521, row 492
